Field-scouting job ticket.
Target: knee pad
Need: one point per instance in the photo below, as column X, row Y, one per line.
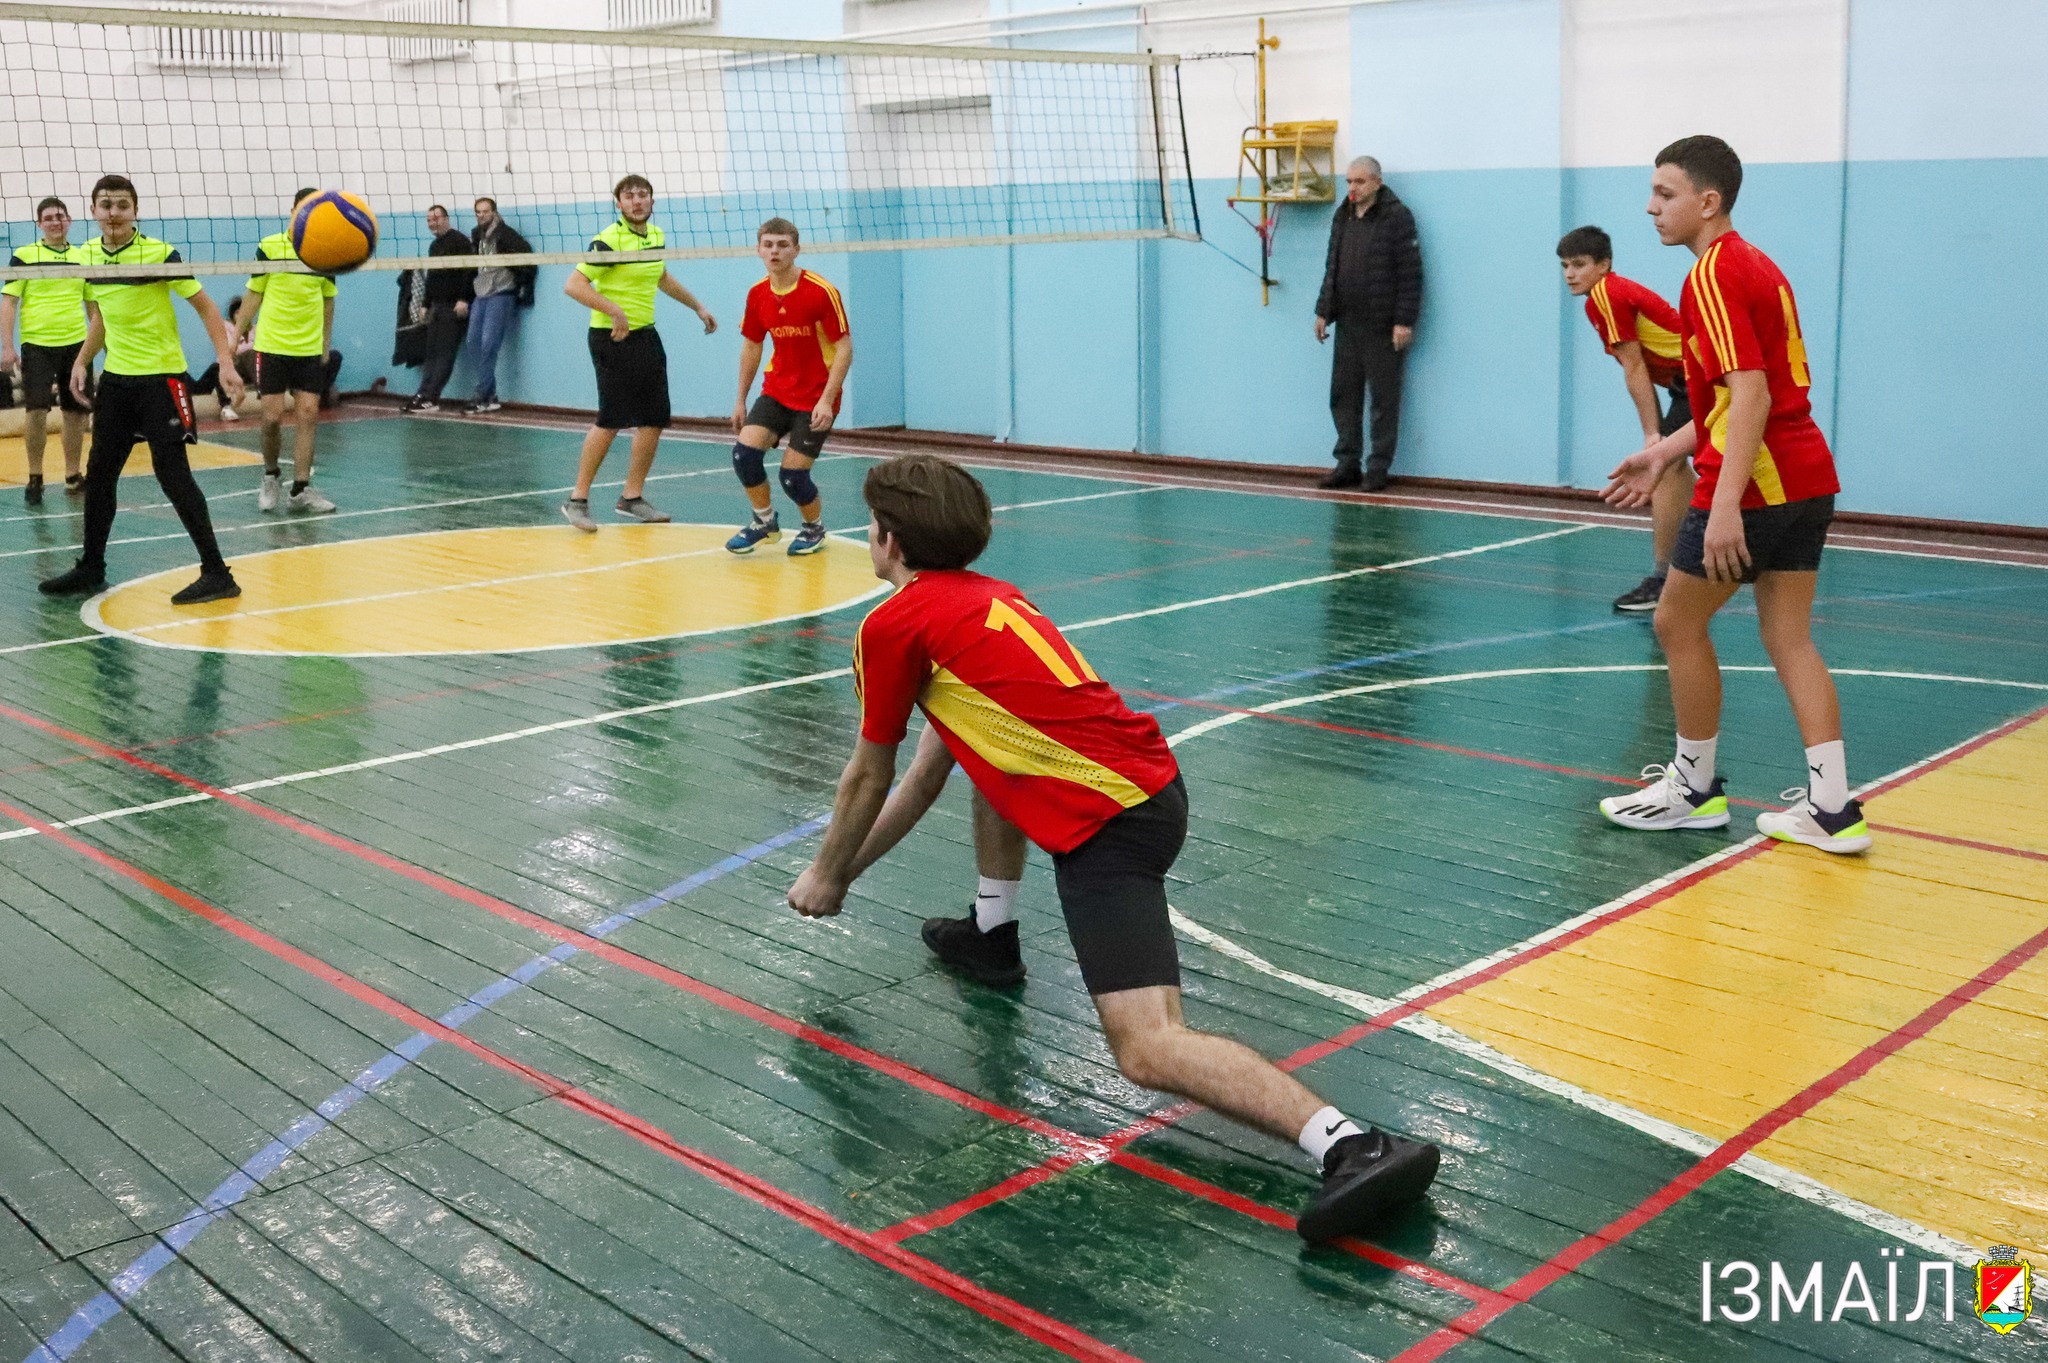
column 747, row 463
column 799, row 485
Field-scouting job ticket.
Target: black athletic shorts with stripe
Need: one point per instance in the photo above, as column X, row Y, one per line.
column 1112, row 890
column 632, row 379
column 781, row 420
column 46, row 377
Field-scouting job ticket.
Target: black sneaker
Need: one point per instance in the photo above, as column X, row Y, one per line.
column 74, row 485
column 486, row 407
column 32, row 492
column 1366, row 1178
column 1643, row 596
column 208, row 587
column 1375, row 480
column 991, row 958
column 1342, row 476
column 423, row 405
column 82, row 580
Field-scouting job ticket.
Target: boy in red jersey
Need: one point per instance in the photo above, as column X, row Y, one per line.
column 1641, row 331
column 1759, row 514
column 800, row 396
column 1055, row 754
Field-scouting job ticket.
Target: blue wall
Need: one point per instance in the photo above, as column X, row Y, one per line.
column 1915, row 262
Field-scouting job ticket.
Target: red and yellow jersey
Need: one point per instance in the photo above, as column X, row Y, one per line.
column 807, row 325
column 1739, row 314
column 1623, row 310
column 1051, row 746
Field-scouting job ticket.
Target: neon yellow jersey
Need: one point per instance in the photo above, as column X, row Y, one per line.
column 142, row 331
column 631, row 285
column 293, row 320
column 52, row 310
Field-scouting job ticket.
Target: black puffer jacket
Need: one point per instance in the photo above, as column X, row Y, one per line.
column 1374, row 271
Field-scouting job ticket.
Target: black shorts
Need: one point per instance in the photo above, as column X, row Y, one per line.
column 151, row 408
column 632, row 379
column 46, row 370
column 788, row 421
column 1678, row 415
column 1113, row 892
column 1786, row 538
column 276, row 374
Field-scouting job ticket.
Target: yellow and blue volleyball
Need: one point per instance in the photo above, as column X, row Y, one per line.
column 334, row 231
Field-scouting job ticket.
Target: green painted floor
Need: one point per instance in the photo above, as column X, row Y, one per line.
column 679, row 1174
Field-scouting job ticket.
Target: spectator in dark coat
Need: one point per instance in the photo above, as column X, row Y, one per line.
column 1372, row 293
column 500, row 290
column 441, row 298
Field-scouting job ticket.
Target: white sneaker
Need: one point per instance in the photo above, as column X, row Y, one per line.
column 310, row 498
column 228, row 413
column 1668, row 802
column 268, row 494
column 1842, row 832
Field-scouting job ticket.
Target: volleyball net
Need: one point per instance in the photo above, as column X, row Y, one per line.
column 220, row 117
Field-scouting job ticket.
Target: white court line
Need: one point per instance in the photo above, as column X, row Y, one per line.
column 1777, row 1176
column 77, row 507
column 141, row 634
column 607, row 717
column 1764, row 1171
column 1324, row 577
column 366, row 511
column 52, row 643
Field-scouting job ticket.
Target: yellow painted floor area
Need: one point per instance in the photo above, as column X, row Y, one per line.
column 1723, row 1001
column 505, row 589
column 14, row 459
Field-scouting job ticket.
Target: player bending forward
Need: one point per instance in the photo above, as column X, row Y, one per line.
column 1055, row 752
column 1760, row 512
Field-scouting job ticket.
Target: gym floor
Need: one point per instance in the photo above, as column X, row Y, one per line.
column 393, row 961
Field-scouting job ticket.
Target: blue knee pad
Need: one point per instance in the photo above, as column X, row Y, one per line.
column 799, row 485
column 747, row 463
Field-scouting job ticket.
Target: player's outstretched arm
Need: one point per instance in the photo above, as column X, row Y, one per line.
column 223, row 345
column 863, row 788
column 673, row 287
column 1635, row 372
column 912, row 799
column 580, row 288
column 1635, row 478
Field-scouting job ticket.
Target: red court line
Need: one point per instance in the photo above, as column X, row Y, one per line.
column 1033, row 1324
column 1167, row 1116
column 1998, row 847
column 1075, row 1148
column 1575, row 1255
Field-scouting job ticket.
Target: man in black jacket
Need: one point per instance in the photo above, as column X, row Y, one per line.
column 446, row 295
column 500, row 289
column 1372, row 292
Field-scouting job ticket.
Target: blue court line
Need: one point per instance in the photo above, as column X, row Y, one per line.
column 72, row 1335
column 68, row 1338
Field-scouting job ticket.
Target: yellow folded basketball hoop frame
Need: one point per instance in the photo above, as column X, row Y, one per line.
column 1287, row 163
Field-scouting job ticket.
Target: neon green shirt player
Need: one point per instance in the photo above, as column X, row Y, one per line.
column 143, row 393
column 626, row 351
column 52, row 316
column 293, row 317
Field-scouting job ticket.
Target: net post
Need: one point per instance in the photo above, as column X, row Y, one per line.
column 1159, row 146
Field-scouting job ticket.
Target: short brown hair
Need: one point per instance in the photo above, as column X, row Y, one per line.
column 1709, row 163
column 777, row 227
column 626, row 182
column 938, row 511
column 52, row 202
column 115, row 184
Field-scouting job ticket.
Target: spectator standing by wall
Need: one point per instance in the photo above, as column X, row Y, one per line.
column 500, row 290
column 446, row 295
column 1372, row 293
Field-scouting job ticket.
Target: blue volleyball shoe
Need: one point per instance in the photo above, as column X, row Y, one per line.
column 755, row 531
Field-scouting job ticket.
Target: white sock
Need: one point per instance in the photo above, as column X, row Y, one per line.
column 1827, row 773
column 995, row 903
column 1695, row 761
column 1324, row 1130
